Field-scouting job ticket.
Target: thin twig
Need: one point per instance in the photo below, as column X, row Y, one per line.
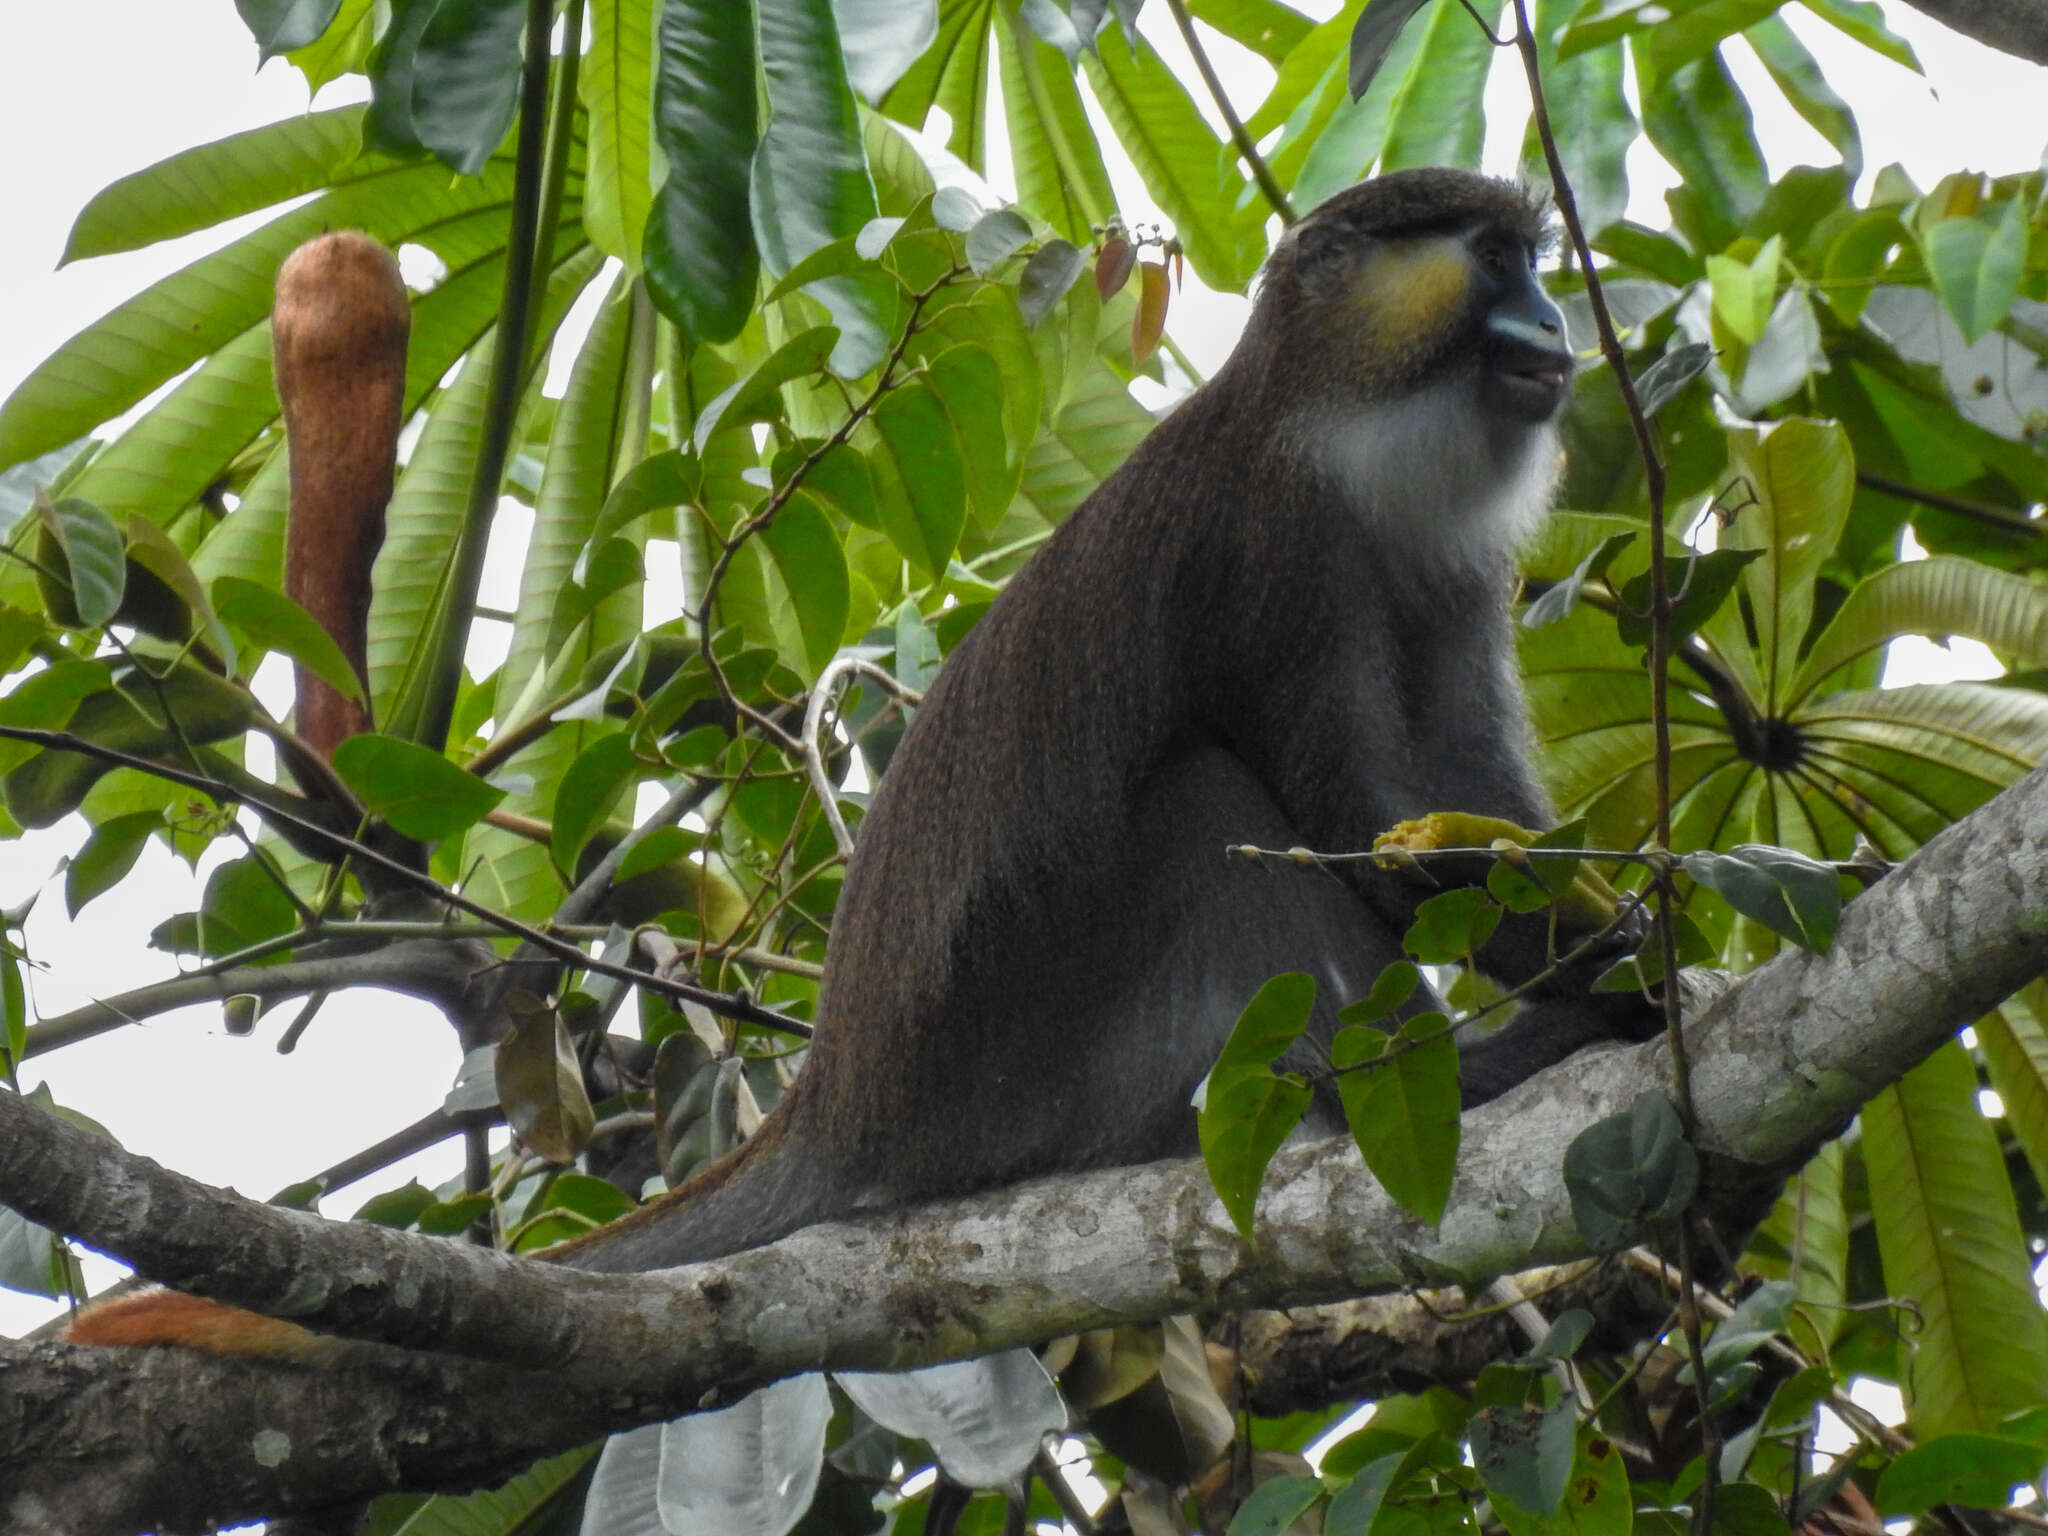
column 821, row 699
column 1660, row 715
column 547, row 943
column 884, row 381
column 1247, row 151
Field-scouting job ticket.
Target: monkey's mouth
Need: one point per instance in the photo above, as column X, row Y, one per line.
column 1532, row 388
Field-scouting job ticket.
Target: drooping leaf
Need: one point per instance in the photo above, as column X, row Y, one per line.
column 1950, row 1238
column 1975, row 1471
column 617, row 79
column 273, row 622
column 699, row 248
column 1245, row 1109
column 420, row 793
column 1401, row 1102
column 747, row 1470
column 1274, row 1506
column 1784, row 890
column 465, row 79
column 540, row 1081
column 1379, row 23
column 1524, row 1455
column 920, row 449
column 984, row 1419
column 1629, row 1172
column 807, row 556
column 282, row 25
column 810, row 174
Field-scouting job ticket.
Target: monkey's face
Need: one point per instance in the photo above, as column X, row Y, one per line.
column 1465, row 303
column 1429, row 277
column 1528, row 362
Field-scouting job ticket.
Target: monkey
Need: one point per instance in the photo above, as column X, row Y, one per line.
column 339, row 332
column 1284, row 621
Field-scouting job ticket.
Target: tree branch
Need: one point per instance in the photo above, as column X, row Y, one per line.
column 1781, row 1062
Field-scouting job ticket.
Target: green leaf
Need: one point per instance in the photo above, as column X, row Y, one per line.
column 970, row 387
column 207, row 185
column 1664, row 378
column 465, row 80
column 1591, row 121
column 1597, row 1500
column 758, row 396
column 1429, row 119
column 420, row 793
column 618, row 89
column 157, row 334
column 1379, row 24
column 344, row 49
column 1053, row 269
column 1699, row 121
column 1357, row 1504
column 107, row 857
column 1806, row 1240
column 1786, row 891
column 1943, row 595
column 1802, row 475
column 995, row 237
column 699, row 249
column 808, row 557
column 1060, row 173
column 1950, row 1238
column 591, row 788
column 1799, row 75
column 920, row 448
column 206, row 708
column 1744, row 291
column 1630, row 1172
column 96, row 562
column 1975, row 1471
column 1451, row 926
column 882, row 39
column 273, row 622
column 1246, row 1110
column 2015, row 1045
column 1700, row 584
column 1977, row 264
column 1524, row 1455
column 1864, row 21
column 1394, row 985
column 1403, row 1111
column 810, row 175
column 1274, row 1506
column 279, row 26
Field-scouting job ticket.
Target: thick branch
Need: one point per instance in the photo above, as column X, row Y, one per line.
column 1781, row 1062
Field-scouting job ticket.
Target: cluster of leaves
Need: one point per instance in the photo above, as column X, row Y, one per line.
column 849, row 403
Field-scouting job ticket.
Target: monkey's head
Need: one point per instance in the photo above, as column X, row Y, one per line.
column 1416, row 280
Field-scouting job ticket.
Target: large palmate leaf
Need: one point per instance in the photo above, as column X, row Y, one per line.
column 1952, row 1246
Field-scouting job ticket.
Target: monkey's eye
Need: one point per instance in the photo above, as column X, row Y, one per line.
column 1494, row 258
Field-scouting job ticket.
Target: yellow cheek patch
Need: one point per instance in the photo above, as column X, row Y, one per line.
column 1411, row 293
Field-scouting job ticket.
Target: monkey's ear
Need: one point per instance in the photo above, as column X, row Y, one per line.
column 1327, row 254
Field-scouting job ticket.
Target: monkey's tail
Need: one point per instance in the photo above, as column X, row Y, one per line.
column 763, row 1189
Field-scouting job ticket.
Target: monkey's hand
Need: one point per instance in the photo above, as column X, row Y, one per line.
column 1588, row 905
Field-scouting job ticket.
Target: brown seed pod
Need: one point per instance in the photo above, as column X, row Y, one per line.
column 1149, row 323
column 338, row 333
column 1113, row 266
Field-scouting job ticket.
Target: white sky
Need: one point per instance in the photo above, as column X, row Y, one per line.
column 90, row 92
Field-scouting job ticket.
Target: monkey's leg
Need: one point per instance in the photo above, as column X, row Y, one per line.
column 1201, row 932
